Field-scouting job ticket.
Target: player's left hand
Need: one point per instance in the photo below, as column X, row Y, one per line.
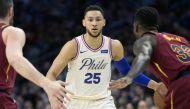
column 120, row 83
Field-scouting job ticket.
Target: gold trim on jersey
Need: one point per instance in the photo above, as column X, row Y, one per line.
column 170, row 38
column 172, row 104
column 161, row 71
column 7, row 72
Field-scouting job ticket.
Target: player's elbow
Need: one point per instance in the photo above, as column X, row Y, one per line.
column 144, row 58
column 14, row 59
column 147, row 58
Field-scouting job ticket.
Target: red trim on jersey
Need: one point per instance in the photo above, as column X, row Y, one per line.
column 94, row 50
column 110, row 47
column 3, row 26
column 78, row 48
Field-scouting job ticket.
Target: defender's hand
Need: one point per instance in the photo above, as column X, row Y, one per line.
column 56, row 93
column 161, row 89
column 120, row 83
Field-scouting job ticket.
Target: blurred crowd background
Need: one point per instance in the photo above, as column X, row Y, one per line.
column 49, row 24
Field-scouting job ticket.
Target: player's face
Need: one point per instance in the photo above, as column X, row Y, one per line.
column 94, row 22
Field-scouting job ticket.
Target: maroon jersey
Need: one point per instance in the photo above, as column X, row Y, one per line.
column 7, row 73
column 170, row 56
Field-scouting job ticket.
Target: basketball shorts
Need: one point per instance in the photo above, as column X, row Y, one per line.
column 105, row 103
column 6, row 102
column 178, row 96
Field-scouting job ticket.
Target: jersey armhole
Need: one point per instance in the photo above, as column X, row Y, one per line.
column 2, row 29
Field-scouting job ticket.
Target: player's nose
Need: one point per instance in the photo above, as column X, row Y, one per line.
column 94, row 23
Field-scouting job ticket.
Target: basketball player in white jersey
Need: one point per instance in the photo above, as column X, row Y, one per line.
column 89, row 59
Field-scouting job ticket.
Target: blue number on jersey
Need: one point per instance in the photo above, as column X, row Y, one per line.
column 92, row 78
column 183, row 52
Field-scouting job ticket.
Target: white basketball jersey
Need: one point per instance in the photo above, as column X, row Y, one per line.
column 89, row 73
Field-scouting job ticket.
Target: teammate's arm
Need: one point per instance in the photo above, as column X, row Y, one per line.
column 67, row 53
column 122, row 65
column 14, row 39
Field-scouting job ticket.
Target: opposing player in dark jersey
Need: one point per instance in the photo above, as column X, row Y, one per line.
column 12, row 40
column 166, row 55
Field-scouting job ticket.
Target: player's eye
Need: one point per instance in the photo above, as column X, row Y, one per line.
column 98, row 19
column 90, row 20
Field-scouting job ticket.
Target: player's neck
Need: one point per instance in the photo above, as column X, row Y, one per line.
column 93, row 42
column 4, row 21
column 146, row 30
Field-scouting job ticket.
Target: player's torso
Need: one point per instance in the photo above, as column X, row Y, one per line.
column 7, row 73
column 171, row 55
column 89, row 74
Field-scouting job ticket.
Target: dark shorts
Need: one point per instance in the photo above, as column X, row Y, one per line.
column 178, row 96
column 6, row 102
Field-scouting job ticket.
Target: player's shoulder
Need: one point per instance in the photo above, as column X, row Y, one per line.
column 13, row 29
column 69, row 48
column 72, row 44
column 147, row 38
column 116, row 43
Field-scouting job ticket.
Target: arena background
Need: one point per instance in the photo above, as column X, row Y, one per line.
column 50, row 23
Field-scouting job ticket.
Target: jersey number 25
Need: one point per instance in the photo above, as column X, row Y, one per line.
column 92, row 78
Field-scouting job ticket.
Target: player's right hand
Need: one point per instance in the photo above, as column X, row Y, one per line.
column 56, row 92
column 120, row 83
column 161, row 89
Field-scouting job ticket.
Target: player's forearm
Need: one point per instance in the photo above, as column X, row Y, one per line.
column 123, row 67
column 27, row 70
column 54, row 71
column 56, row 68
column 51, row 76
column 138, row 66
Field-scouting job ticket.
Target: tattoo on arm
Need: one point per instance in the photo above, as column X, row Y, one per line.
column 143, row 49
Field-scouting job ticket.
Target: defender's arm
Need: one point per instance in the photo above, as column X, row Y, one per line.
column 121, row 63
column 143, row 50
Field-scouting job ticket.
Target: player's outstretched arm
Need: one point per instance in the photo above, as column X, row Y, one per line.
column 123, row 66
column 143, row 49
column 14, row 39
column 67, row 53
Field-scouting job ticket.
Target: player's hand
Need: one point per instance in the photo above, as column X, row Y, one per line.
column 56, row 92
column 161, row 89
column 120, row 83
column 56, row 103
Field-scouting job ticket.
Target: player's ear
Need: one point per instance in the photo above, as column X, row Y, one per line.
column 137, row 27
column 104, row 22
column 83, row 23
column 11, row 13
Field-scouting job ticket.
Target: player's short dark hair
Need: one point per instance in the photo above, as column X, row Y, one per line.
column 94, row 8
column 5, row 5
column 148, row 17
